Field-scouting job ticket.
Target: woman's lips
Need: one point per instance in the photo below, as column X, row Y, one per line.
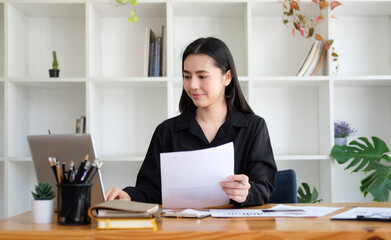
column 196, row 96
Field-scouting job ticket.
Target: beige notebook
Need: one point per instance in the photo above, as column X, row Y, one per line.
column 124, row 209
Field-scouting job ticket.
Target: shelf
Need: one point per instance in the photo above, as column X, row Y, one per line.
column 302, row 157
column 368, row 43
column 49, row 82
column 37, row 29
column 20, row 159
column 55, row 105
column 274, row 51
column 279, row 81
column 101, row 59
column 110, row 159
column 224, row 20
column 116, row 46
column 360, row 8
column 363, row 81
column 136, row 82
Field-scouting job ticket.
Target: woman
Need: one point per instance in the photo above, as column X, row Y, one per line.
column 213, row 112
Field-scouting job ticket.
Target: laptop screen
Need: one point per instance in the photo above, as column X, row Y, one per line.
column 65, row 148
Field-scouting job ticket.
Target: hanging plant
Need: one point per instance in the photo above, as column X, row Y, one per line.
column 133, row 17
column 308, row 27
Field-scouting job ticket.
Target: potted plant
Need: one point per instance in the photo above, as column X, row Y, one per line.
column 54, row 72
column 368, row 158
column 43, row 205
column 342, row 130
column 308, row 26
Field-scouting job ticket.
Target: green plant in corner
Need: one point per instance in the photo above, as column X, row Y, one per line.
column 133, row 17
column 43, row 191
column 308, row 196
column 368, row 158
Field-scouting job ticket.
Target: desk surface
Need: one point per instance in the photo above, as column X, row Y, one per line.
column 21, row 227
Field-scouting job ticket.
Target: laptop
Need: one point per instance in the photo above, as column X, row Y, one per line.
column 66, row 148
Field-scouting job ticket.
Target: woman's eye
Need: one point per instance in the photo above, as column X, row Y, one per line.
column 186, row 77
column 202, row 77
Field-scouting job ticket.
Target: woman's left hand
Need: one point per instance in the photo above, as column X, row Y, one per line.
column 237, row 187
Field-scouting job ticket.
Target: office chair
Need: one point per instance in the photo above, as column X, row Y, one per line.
column 285, row 187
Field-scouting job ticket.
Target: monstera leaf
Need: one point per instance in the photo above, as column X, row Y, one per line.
column 366, row 157
column 308, row 196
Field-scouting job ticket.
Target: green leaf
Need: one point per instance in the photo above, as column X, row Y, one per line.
column 366, row 153
column 366, row 157
column 133, row 2
column 311, row 32
column 378, row 183
column 307, row 196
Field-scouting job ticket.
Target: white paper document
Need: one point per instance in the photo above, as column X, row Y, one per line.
column 277, row 211
column 188, row 213
column 191, row 179
column 365, row 213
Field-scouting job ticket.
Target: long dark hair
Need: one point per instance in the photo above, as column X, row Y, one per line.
column 218, row 50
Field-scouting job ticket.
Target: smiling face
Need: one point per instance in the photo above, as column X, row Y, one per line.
column 203, row 82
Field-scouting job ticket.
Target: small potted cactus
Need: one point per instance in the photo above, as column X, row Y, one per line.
column 54, row 72
column 43, row 205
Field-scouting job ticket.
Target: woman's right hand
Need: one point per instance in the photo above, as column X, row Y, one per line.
column 117, row 193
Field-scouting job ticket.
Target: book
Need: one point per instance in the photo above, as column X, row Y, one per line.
column 82, row 124
column 77, row 127
column 320, row 62
column 124, row 209
column 152, row 40
column 307, row 62
column 146, row 51
column 107, row 223
column 315, row 60
column 164, row 52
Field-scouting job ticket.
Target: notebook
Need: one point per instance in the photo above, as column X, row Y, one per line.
column 66, row 148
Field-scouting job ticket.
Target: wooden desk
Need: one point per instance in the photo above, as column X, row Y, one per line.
column 21, row 227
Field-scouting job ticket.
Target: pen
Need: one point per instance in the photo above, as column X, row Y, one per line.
column 51, row 162
column 80, row 169
column 97, row 168
column 91, row 170
column 281, row 210
column 84, row 171
column 58, row 172
column 70, row 174
column 63, row 172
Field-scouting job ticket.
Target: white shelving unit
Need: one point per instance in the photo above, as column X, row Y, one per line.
column 101, row 61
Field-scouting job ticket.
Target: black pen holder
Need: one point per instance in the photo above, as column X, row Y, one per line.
column 73, row 202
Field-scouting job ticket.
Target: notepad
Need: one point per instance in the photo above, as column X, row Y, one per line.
column 365, row 214
column 277, row 211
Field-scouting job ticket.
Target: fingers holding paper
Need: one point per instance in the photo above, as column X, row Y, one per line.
column 236, row 187
column 117, row 193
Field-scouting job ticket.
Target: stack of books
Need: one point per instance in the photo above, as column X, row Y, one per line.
column 155, row 53
column 80, row 125
column 119, row 214
column 313, row 61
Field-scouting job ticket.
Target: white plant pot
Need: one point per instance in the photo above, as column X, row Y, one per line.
column 340, row 141
column 43, row 211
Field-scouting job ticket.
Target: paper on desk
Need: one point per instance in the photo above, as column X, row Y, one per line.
column 190, row 179
column 279, row 211
column 367, row 212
